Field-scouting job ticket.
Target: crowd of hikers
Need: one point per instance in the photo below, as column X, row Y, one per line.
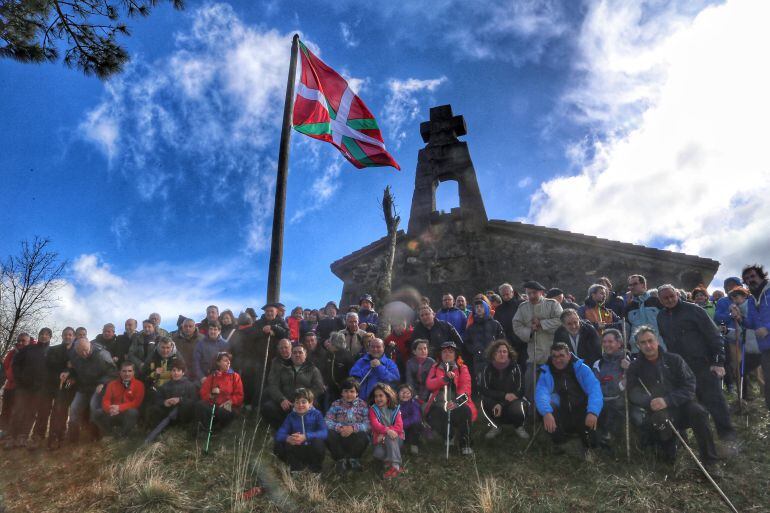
column 660, row 359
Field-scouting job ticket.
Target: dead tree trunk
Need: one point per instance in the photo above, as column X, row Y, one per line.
column 392, row 219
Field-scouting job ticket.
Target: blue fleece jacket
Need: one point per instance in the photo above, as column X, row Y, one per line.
column 545, row 396
column 386, row 372
column 759, row 317
column 312, row 424
column 455, row 317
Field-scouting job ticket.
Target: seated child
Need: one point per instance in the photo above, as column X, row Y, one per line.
column 411, row 413
column 348, row 424
column 387, row 428
column 417, row 369
column 177, row 395
column 299, row 441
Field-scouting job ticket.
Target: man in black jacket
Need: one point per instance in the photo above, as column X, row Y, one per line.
column 580, row 336
column 690, row 333
column 435, row 331
column 92, row 369
column 480, row 335
column 60, row 386
column 33, row 395
column 504, row 315
column 662, row 385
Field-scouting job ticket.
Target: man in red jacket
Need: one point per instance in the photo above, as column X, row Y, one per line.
column 120, row 403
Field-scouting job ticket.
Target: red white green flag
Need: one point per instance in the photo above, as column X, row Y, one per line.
column 327, row 109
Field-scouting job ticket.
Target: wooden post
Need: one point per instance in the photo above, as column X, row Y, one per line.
column 279, row 211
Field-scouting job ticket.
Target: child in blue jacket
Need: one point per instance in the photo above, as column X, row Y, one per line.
column 301, row 440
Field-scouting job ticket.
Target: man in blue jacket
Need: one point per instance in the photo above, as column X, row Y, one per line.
column 449, row 313
column 569, row 398
column 374, row 367
column 758, row 317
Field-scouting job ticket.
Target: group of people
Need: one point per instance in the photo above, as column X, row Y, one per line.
column 326, row 381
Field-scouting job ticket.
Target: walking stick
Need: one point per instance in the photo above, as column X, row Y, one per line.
column 697, row 461
column 534, row 380
column 448, row 411
column 211, row 423
column 163, row 424
column 625, row 397
column 264, row 372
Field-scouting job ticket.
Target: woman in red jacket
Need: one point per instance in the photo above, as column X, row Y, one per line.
column 223, row 387
column 449, row 383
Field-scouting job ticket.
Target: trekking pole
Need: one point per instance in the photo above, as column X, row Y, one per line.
column 211, row 422
column 163, row 424
column 448, row 411
column 694, row 457
column 264, row 372
column 534, row 380
column 625, row 398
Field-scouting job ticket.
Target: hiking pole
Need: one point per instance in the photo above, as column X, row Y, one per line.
column 211, row 422
column 489, row 420
column 532, row 440
column 534, row 380
column 694, row 457
column 448, row 411
column 625, row 398
column 163, row 424
column 264, row 372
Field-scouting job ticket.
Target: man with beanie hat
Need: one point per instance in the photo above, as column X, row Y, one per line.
column 535, row 322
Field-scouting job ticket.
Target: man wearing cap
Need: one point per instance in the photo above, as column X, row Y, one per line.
column 330, row 323
column 435, row 331
column 368, row 319
column 641, row 310
column 535, row 322
column 374, row 367
column 251, row 345
column 558, row 295
column 722, row 310
column 480, row 334
column 690, row 333
column 662, row 386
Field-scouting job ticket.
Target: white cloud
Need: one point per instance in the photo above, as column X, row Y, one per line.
column 120, row 229
column 321, row 191
column 95, row 295
column 402, row 105
column 679, row 104
column 347, row 35
column 524, row 182
column 204, row 117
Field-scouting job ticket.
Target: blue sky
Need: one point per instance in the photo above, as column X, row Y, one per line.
column 636, row 121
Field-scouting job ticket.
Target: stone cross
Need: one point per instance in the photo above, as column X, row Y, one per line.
column 443, row 127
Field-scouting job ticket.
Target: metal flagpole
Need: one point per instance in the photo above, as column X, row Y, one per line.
column 279, row 210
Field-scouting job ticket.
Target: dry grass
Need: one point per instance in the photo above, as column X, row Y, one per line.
column 173, row 475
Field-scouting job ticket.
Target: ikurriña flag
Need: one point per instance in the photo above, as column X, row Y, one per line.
column 327, row 109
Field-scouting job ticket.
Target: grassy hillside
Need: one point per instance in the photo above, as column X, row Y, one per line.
column 173, row 475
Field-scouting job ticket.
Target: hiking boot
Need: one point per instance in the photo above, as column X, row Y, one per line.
column 714, row 469
column 521, row 433
column 355, row 465
column 414, row 450
column 467, row 451
column 341, row 466
column 493, row 433
column 54, row 444
column 21, row 441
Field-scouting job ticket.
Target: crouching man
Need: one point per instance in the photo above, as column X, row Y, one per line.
column 120, row 403
column 569, row 398
column 662, row 385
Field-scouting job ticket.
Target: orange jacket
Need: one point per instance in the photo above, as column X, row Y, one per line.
column 126, row 398
column 230, row 388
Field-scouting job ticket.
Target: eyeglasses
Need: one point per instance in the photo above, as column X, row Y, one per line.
column 634, row 283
